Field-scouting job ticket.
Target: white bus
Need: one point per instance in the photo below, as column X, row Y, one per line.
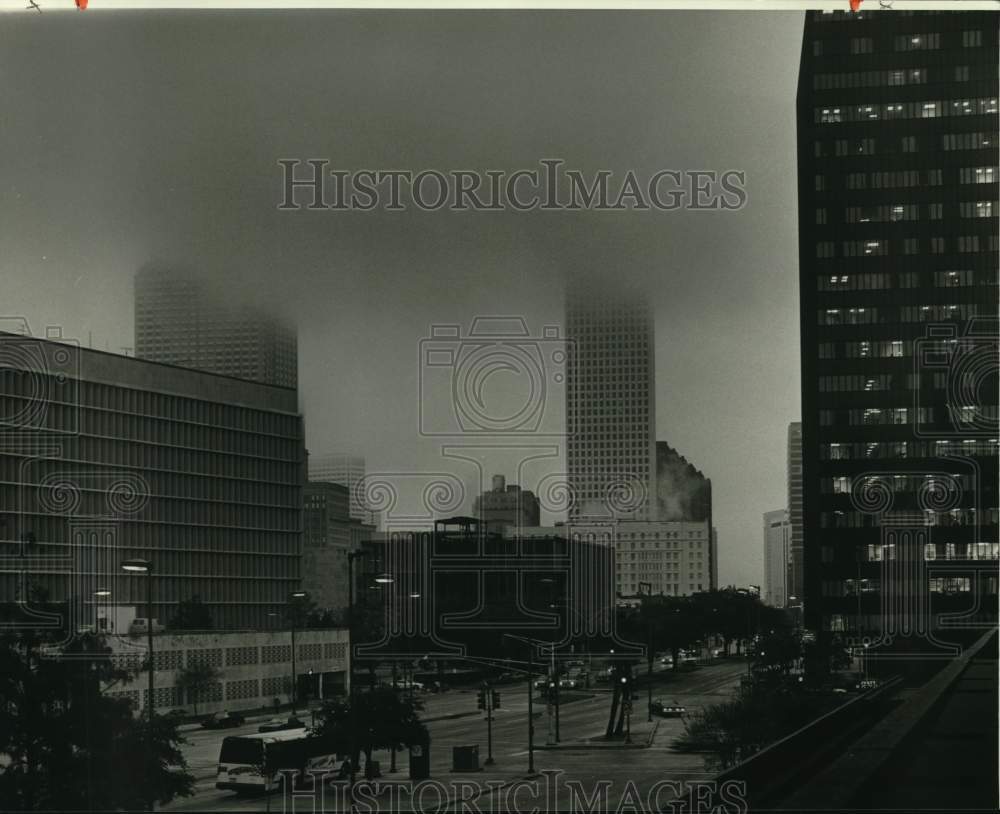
column 242, row 759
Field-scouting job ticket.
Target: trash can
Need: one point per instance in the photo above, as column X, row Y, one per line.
column 465, row 758
column 420, row 761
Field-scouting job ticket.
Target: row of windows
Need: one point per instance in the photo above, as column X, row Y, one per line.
column 62, row 417
column 897, row 348
column 906, row 313
column 901, row 43
column 968, row 141
column 843, row 484
column 96, row 452
column 127, row 492
column 956, row 518
column 888, row 78
column 910, row 279
column 936, row 380
column 880, row 247
column 848, row 451
column 72, row 501
column 40, row 380
column 873, row 416
column 905, row 110
column 906, row 144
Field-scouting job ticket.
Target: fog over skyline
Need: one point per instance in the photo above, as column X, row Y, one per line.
column 122, row 148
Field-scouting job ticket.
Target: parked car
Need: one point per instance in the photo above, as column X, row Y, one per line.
column 667, row 660
column 406, row 684
column 673, row 710
column 278, row 724
column 223, row 720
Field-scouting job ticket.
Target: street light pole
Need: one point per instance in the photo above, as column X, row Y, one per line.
column 531, row 691
column 139, row 566
column 649, row 654
column 293, row 607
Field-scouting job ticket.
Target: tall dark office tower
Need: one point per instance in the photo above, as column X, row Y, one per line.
column 897, row 152
column 610, row 403
column 179, row 320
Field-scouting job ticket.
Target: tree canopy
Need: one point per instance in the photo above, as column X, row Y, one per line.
column 67, row 746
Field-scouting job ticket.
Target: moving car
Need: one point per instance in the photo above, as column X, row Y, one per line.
column 673, row 710
column 278, row 724
column 223, row 720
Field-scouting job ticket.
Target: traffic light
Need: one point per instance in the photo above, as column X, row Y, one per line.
column 481, row 699
column 496, row 699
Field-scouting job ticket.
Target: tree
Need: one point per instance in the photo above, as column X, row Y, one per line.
column 192, row 614
column 379, row 719
column 66, row 745
column 195, row 679
column 620, row 700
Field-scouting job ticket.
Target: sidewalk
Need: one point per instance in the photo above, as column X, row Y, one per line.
column 641, row 736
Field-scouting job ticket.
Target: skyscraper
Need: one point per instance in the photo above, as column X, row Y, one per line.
column 347, row 470
column 179, row 320
column 107, row 458
column 610, row 404
column 794, row 577
column 330, row 533
column 777, row 556
column 897, row 151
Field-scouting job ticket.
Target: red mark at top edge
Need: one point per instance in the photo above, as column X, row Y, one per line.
column 855, row 4
column 82, row 4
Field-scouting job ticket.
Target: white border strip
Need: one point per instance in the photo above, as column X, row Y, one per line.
column 98, row 6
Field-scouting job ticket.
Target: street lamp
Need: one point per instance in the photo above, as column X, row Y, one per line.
column 100, row 593
column 140, row 566
column 531, row 691
column 553, row 698
column 649, row 654
column 292, row 598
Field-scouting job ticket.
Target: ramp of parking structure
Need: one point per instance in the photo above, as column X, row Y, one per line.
column 783, row 766
column 938, row 749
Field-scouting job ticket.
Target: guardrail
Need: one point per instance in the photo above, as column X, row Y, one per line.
column 769, row 773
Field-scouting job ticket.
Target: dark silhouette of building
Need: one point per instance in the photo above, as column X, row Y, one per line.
column 897, row 155
column 506, row 505
column 683, row 492
column 330, row 533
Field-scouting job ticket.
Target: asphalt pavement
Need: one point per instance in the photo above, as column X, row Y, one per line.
column 581, row 756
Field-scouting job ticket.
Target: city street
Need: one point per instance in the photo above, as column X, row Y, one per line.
column 577, row 757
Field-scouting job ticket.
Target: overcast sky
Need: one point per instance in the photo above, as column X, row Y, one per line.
column 129, row 138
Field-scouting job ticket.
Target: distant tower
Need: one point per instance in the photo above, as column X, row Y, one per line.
column 180, row 320
column 507, row 505
column 349, row 471
column 777, row 554
column 610, row 404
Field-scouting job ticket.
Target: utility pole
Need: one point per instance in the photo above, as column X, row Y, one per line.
column 531, row 718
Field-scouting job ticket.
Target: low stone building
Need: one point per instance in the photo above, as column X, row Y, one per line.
column 255, row 667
